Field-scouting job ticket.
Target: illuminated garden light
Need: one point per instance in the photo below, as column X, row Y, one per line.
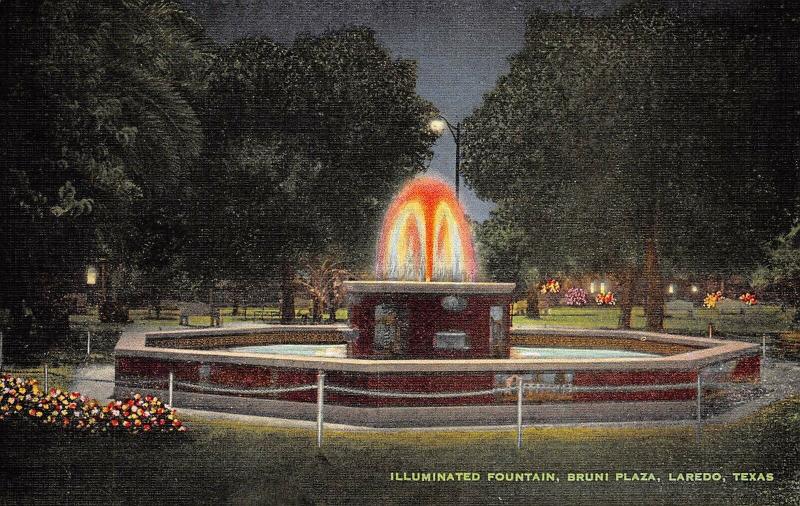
column 91, row 275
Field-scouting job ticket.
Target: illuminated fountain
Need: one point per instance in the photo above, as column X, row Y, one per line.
column 426, row 303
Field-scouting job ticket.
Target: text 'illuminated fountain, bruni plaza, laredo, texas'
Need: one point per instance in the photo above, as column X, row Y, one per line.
column 425, row 326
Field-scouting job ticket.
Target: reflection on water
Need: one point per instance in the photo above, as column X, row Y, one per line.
column 570, row 353
column 306, row 350
column 340, row 351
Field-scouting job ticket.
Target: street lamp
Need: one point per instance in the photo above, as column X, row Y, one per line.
column 438, row 125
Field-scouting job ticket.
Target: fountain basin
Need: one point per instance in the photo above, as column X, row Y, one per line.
column 143, row 362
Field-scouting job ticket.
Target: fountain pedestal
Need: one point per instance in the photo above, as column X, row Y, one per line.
column 408, row 319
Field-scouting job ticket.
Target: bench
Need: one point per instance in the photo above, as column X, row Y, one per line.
column 680, row 307
column 188, row 309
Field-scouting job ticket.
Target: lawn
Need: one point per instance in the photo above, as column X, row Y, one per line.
column 756, row 320
column 229, row 462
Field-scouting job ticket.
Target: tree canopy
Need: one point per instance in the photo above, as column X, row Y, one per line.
column 624, row 143
column 305, row 145
column 95, row 100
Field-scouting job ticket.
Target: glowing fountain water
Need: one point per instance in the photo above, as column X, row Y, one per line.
column 425, row 236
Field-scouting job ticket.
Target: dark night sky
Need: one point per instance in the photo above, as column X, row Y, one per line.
column 461, row 46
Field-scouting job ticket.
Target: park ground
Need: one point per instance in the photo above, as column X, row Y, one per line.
column 246, row 462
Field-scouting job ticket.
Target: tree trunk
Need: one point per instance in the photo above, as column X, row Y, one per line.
column 654, row 305
column 331, row 310
column 316, row 310
column 533, row 304
column 287, row 293
column 17, row 338
column 235, row 308
column 52, row 321
column 626, row 297
column 155, row 302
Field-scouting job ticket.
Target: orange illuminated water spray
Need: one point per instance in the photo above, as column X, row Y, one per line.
column 425, row 236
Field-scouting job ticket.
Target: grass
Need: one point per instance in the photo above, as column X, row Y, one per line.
column 227, row 462
column 756, row 320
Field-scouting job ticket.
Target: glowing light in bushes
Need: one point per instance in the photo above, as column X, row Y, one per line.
column 425, row 236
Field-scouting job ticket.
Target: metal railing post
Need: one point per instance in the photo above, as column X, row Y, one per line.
column 519, row 412
column 699, row 395
column 88, row 343
column 1, row 349
column 46, row 380
column 763, row 357
column 699, row 404
column 171, row 381
column 320, row 405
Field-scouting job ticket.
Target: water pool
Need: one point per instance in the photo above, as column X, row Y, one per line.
column 572, row 353
column 340, row 351
column 305, row 350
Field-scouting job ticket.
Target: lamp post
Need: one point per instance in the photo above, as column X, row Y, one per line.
column 103, row 263
column 91, row 281
column 438, row 125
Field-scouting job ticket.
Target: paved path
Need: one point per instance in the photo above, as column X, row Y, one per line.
column 97, row 380
column 101, row 384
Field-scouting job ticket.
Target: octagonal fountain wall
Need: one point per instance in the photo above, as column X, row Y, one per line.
column 424, row 326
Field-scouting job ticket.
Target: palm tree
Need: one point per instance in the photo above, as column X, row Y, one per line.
column 323, row 282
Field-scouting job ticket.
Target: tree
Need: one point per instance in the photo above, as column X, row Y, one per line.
column 323, row 280
column 604, row 142
column 306, row 144
column 94, row 108
column 783, row 267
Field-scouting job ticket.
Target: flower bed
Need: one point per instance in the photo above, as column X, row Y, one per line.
column 575, row 297
column 605, row 299
column 550, row 286
column 748, row 298
column 711, row 300
column 75, row 412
